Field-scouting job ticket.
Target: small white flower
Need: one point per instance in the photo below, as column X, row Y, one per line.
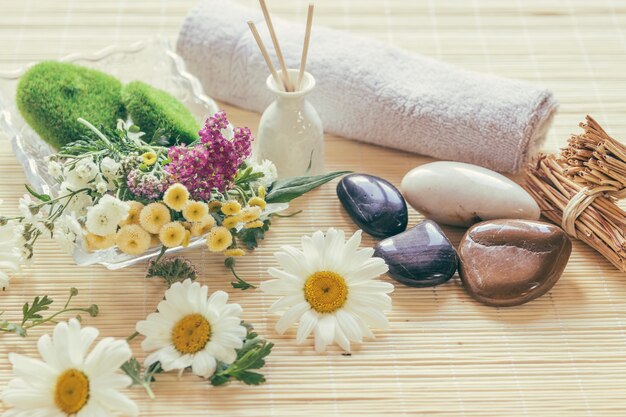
column 267, row 167
column 69, row 381
column 55, row 169
column 110, row 168
column 330, row 288
column 66, row 230
column 80, row 175
column 78, row 203
column 102, row 187
column 190, row 329
column 103, row 219
column 10, row 251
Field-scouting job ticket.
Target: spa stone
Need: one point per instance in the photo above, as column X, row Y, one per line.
column 461, row 194
column 511, row 262
column 374, row 204
column 420, row 257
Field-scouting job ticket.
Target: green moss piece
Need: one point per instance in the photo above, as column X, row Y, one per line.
column 152, row 109
column 51, row 96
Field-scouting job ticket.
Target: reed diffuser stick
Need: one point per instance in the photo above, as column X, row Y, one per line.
column 279, row 53
column 305, row 48
column 268, row 61
column 580, row 189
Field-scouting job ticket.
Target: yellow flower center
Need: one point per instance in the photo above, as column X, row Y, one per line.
column 191, row 333
column 71, row 391
column 325, row 291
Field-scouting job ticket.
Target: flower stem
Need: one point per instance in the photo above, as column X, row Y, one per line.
column 132, row 336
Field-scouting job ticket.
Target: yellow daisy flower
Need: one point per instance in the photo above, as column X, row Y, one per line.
column 154, row 240
column 176, row 197
column 251, row 213
column 231, row 222
column 214, row 205
column 133, row 213
column 231, row 207
column 257, row 201
column 262, row 192
column 172, row 234
column 219, row 239
column 133, row 239
column 96, row 242
column 234, row 252
column 254, row 224
column 186, row 239
column 195, row 211
column 154, row 216
column 149, row 158
column 199, row 229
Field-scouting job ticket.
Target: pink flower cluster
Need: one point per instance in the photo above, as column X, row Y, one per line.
column 212, row 163
column 146, row 185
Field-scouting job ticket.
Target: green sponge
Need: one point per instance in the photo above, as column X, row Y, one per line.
column 152, row 109
column 51, row 96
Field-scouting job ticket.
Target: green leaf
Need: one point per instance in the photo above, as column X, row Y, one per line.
column 42, row 197
column 251, row 356
column 31, row 312
column 285, row 190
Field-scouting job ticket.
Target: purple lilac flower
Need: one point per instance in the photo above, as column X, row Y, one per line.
column 213, row 163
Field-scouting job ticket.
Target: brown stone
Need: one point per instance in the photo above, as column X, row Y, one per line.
column 511, row 262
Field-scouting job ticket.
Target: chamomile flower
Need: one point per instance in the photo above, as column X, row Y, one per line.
column 258, row 202
column 176, row 197
column 135, row 208
column 133, row 239
column 195, row 211
column 330, row 288
column 231, row 207
column 192, row 329
column 219, row 239
column 231, row 222
column 154, row 216
column 69, row 381
column 172, row 234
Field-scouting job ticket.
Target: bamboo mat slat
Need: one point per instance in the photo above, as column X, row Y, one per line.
column 564, row 354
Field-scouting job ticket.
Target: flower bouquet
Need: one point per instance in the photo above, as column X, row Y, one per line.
column 137, row 196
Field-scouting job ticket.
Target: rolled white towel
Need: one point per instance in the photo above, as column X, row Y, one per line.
column 372, row 92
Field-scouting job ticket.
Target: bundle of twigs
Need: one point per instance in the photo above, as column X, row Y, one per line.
column 580, row 188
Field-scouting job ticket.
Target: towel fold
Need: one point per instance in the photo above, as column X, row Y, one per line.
column 372, row 92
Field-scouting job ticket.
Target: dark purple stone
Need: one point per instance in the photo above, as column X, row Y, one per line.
column 420, row 257
column 374, row 204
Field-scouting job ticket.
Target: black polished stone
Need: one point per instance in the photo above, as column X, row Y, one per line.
column 374, row 204
column 420, row 257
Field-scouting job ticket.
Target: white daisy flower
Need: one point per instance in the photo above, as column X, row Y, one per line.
column 329, row 287
column 190, row 329
column 69, row 381
column 267, row 167
column 10, row 252
column 110, row 168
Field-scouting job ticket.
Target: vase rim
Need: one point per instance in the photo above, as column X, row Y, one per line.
column 307, row 84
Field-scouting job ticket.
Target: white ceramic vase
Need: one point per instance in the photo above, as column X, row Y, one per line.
column 290, row 131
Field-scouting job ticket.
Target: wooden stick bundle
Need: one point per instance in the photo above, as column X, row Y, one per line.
column 286, row 80
column 580, row 188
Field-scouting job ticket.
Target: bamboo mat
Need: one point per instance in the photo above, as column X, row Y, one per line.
column 564, row 354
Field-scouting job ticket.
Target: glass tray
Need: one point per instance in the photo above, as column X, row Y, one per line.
column 152, row 61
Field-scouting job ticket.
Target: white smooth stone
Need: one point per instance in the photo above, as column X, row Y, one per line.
column 462, row 194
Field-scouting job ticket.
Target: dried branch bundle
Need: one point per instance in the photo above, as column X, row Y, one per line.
column 580, row 189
